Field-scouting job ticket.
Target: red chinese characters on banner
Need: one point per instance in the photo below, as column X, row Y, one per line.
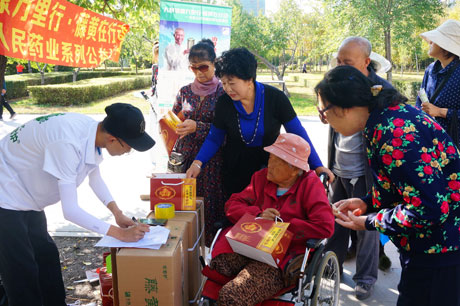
column 58, row 32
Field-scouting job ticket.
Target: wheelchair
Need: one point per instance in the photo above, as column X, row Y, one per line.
column 318, row 276
column 318, row 280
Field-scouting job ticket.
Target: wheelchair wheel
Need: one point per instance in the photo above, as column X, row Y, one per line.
column 327, row 281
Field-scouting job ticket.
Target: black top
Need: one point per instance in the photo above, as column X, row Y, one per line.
column 240, row 160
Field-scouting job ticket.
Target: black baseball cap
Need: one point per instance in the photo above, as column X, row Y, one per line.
column 126, row 122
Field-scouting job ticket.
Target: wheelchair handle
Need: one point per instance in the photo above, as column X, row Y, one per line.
column 324, row 178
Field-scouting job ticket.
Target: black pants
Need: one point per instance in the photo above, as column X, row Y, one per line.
column 29, row 260
column 4, row 103
column 421, row 286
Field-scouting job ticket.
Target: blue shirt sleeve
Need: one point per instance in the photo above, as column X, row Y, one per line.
column 211, row 144
column 295, row 127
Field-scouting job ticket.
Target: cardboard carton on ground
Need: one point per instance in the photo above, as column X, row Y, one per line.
column 151, row 277
column 194, row 232
column 260, row 239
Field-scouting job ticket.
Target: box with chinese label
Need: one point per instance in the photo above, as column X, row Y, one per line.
column 260, row 239
column 173, row 188
column 194, row 231
column 152, row 277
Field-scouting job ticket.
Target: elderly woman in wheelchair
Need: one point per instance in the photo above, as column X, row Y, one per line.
column 288, row 189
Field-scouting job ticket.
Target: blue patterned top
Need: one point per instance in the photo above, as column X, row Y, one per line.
column 416, row 189
column 449, row 97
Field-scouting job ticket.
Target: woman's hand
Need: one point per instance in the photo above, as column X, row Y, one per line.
column 433, row 110
column 194, row 169
column 186, row 127
column 329, row 173
column 353, row 205
column 352, row 221
column 269, row 214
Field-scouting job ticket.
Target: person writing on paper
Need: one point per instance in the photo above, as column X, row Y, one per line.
column 197, row 101
column 43, row 162
column 247, row 117
column 287, row 189
column 415, row 198
column 441, row 81
column 176, row 53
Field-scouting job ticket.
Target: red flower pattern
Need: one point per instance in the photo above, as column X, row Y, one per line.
column 444, row 207
column 396, row 142
column 398, row 132
column 426, row 157
column 397, row 154
column 454, row 185
column 410, row 137
column 416, row 201
column 428, row 170
column 398, row 122
column 387, row 159
column 451, row 150
column 455, row 197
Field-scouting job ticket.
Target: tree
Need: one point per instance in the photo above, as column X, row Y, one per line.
column 389, row 18
column 267, row 38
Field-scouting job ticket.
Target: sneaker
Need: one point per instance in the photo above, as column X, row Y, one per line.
column 13, row 115
column 363, row 291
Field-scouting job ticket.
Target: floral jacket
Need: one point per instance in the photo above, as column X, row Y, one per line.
column 416, row 191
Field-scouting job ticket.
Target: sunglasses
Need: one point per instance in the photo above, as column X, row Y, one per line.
column 202, row 68
column 322, row 112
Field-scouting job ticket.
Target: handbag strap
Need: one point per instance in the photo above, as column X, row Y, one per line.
column 443, row 82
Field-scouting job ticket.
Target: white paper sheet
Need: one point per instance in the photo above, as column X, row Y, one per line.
column 157, row 236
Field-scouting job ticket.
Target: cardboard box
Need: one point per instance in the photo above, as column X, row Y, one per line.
column 260, row 239
column 194, row 221
column 173, row 188
column 151, row 277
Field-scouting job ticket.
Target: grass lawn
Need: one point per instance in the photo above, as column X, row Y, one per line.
column 300, row 86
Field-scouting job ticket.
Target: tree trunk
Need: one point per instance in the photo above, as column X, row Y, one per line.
column 416, row 61
column 136, row 64
column 274, row 69
column 74, row 74
column 3, row 61
column 387, row 33
column 105, row 65
column 42, row 72
column 56, row 68
column 29, row 67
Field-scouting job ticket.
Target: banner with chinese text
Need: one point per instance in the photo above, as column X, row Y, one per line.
column 58, row 32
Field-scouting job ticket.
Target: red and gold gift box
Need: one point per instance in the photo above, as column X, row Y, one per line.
column 168, row 125
column 173, row 188
column 260, row 239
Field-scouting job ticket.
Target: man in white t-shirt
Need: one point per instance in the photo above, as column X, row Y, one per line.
column 43, row 162
column 176, row 53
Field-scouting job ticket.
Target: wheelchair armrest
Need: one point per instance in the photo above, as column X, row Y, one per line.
column 314, row 243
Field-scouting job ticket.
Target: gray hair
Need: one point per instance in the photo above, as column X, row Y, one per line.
column 362, row 42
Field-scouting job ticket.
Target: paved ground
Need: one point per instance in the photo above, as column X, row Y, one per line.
column 126, row 178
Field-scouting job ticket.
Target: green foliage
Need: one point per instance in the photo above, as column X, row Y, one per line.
column 86, row 91
column 408, row 88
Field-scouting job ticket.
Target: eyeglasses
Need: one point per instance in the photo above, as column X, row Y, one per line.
column 202, row 68
column 322, row 112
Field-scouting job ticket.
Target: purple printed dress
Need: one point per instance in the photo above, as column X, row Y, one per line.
column 209, row 182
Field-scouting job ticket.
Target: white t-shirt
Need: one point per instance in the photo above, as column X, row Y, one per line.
column 175, row 57
column 46, row 152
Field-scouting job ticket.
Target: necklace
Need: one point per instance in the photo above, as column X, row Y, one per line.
column 255, row 130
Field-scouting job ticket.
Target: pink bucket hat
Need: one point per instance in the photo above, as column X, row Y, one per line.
column 292, row 149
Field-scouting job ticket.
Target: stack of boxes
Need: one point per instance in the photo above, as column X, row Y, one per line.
column 169, row 276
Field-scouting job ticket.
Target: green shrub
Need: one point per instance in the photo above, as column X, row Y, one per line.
column 17, row 85
column 408, row 88
column 86, row 91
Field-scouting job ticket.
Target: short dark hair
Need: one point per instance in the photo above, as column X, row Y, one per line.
column 447, row 54
column 347, row 87
column 202, row 51
column 238, row 62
